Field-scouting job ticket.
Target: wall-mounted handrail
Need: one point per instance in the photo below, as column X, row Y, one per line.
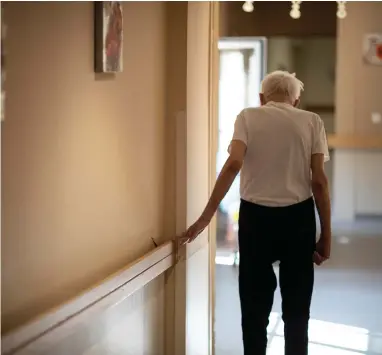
column 56, row 323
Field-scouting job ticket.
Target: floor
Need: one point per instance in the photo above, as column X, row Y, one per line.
column 347, row 301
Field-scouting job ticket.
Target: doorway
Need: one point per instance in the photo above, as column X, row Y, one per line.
column 242, row 67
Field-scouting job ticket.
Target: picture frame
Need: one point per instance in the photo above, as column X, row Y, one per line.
column 3, row 62
column 372, row 49
column 108, row 31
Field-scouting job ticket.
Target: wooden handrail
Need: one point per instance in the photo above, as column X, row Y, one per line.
column 31, row 337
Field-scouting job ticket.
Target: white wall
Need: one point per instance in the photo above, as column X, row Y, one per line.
column 368, row 179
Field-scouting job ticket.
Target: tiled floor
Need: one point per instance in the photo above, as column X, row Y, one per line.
column 347, row 301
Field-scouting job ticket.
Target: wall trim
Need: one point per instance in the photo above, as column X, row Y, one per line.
column 355, row 141
column 56, row 324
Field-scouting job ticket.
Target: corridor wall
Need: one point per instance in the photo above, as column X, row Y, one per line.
column 87, row 165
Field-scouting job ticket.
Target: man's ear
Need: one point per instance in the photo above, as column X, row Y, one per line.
column 297, row 103
column 262, row 99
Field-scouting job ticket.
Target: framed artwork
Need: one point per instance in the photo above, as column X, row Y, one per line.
column 108, row 36
column 3, row 33
column 372, row 49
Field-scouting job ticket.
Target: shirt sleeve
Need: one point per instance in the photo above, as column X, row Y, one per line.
column 240, row 132
column 320, row 143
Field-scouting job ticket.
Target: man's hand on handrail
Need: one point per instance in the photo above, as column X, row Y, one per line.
column 193, row 232
column 223, row 183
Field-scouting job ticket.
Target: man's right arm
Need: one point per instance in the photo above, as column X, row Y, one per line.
column 320, row 188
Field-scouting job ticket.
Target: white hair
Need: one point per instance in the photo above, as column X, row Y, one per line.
column 281, row 84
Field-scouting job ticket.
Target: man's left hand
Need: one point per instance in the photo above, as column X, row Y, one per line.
column 192, row 232
column 318, row 259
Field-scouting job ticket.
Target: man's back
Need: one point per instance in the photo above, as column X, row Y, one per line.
column 280, row 140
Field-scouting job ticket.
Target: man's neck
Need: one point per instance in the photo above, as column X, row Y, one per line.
column 280, row 102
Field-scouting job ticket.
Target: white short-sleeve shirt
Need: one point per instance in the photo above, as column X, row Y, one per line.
column 280, row 141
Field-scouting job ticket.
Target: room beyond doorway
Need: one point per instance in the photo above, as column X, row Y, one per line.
column 355, row 267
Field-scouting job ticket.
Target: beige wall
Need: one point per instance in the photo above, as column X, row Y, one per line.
column 357, row 174
column 84, row 156
column 359, row 85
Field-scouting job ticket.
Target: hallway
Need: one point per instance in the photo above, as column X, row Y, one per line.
column 101, row 170
column 346, row 308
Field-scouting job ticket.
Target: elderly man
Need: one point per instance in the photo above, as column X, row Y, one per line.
column 280, row 151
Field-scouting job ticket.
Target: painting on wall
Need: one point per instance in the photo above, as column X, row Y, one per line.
column 108, row 36
column 3, row 31
column 373, row 49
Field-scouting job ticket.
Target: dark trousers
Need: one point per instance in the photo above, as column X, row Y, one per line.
column 266, row 235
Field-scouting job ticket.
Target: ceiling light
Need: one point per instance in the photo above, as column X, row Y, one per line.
column 248, row 6
column 295, row 12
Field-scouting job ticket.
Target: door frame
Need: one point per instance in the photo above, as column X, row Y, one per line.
column 213, row 149
column 195, row 267
column 245, row 43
